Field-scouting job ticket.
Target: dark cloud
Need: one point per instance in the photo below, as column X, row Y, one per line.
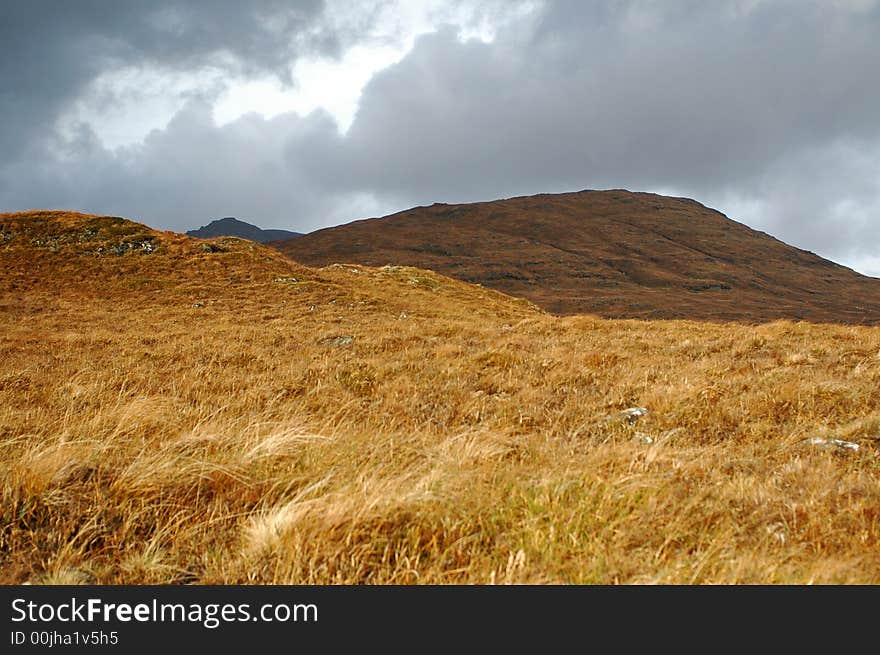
column 766, row 110
column 701, row 100
column 52, row 49
column 191, row 171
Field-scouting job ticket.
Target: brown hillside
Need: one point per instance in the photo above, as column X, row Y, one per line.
column 613, row 253
column 54, row 255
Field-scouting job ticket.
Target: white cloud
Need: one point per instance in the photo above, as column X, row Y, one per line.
column 122, row 106
column 867, row 265
column 334, row 86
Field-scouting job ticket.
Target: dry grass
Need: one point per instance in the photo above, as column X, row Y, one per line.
column 195, row 420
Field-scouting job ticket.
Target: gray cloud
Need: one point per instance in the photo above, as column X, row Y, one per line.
column 702, row 102
column 192, row 170
column 766, row 110
column 52, row 49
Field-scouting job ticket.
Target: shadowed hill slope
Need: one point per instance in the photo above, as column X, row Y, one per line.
column 611, row 253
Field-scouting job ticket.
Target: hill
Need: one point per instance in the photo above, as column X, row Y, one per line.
column 175, row 410
column 118, row 262
column 612, row 253
column 232, row 227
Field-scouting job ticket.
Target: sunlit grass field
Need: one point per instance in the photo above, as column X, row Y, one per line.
column 210, row 412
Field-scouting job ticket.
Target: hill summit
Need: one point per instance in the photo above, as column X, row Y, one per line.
column 232, row 227
column 616, row 254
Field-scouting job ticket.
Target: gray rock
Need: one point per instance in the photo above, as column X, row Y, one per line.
column 837, row 445
column 632, row 414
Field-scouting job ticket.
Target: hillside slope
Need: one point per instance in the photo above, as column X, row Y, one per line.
column 110, row 259
column 183, row 411
column 611, row 253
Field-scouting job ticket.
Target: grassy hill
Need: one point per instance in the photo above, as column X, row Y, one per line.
column 175, row 410
column 615, row 254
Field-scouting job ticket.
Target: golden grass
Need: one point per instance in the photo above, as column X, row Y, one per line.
column 195, row 420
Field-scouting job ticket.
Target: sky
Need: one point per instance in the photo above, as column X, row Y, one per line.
column 302, row 114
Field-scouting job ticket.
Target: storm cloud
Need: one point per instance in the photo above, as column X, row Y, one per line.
column 54, row 48
column 766, row 110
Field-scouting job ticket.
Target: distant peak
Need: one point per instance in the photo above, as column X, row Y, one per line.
column 229, row 226
column 226, row 220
